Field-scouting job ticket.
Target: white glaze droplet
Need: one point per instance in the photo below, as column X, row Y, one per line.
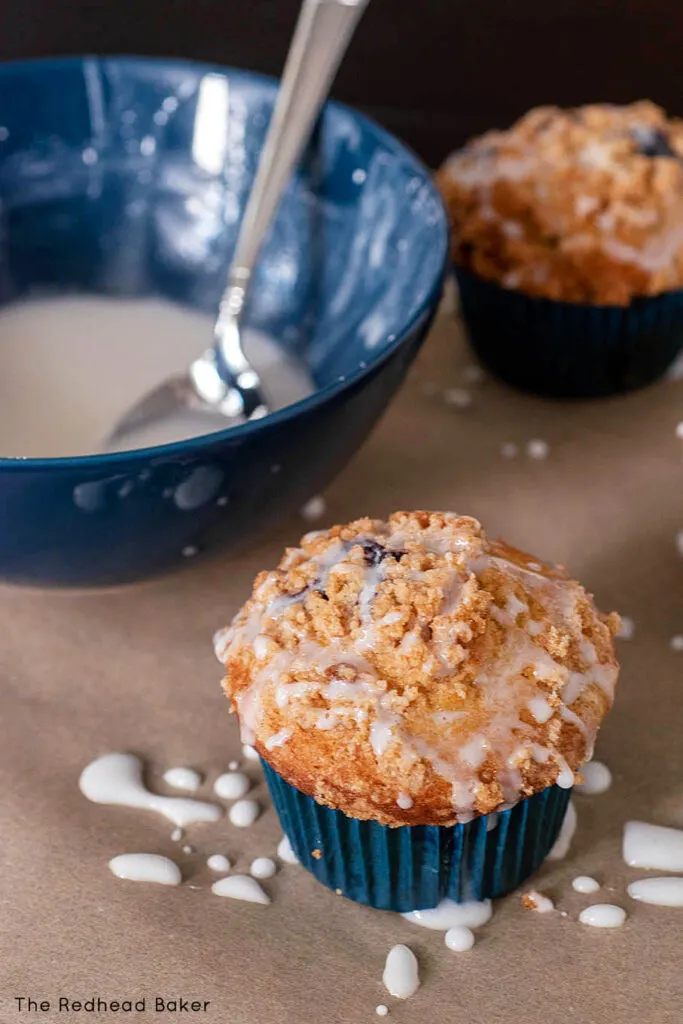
column 597, row 778
column 404, row 801
column 537, row 448
column 218, row 862
column 653, row 846
column 146, row 867
column 381, row 1010
column 183, row 778
column 285, row 851
column 459, row 398
column 661, row 892
column 676, row 643
column 200, row 487
column 491, row 821
column 315, row 508
column 177, row 834
column 459, row 939
column 244, row 813
column 627, row 628
column 473, row 374
column 263, row 867
column 401, row 976
column 449, row 914
column 585, row 884
column 561, row 846
column 250, row 752
column 231, row 786
column 240, row 887
column 603, row 915
column 117, row 779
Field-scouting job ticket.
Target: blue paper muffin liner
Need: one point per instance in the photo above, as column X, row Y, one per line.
column 570, row 350
column 414, row 867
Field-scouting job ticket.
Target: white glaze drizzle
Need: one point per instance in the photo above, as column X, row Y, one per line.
column 660, row 892
column 117, row 779
column 183, row 778
column 603, row 915
column 240, row 887
column 146, row 867
column 565, row 780
column 653, row 846
column 278, row 739
column 541, row 709
column 401, row 976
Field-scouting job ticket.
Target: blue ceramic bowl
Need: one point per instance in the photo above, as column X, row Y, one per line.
column 127, row 176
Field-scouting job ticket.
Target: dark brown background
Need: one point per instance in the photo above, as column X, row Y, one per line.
column 433, row 71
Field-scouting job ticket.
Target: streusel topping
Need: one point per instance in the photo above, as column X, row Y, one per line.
column 582, row 205
column 413, row 671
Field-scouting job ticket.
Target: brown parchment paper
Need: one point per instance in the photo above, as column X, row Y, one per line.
column 83, row 674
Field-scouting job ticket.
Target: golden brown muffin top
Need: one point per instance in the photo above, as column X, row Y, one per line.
column 415, row 672
column 582, row 205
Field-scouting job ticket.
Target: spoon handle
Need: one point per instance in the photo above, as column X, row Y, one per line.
column 321, row 37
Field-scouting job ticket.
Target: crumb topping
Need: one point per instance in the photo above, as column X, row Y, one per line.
column 534, row 900
column 414, row 671
column 582, row 205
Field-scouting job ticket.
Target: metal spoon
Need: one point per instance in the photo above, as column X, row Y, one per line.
column 222, row 383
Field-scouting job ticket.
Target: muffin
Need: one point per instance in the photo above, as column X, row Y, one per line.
column 567, row 239
column 422, row 699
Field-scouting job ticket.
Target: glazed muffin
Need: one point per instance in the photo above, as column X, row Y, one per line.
column 415, row 673
column 582, row 207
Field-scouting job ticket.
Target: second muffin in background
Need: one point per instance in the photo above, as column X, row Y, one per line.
column 568, row 247
column 421, row 698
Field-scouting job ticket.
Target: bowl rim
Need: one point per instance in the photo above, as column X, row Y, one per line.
column 193, row 445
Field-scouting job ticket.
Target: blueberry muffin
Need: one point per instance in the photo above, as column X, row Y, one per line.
column 583, row 207
column 415, row 673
